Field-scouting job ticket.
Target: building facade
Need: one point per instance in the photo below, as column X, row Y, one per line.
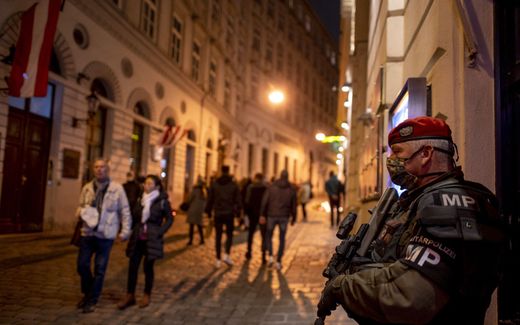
column 456, row 60
column 205, row 66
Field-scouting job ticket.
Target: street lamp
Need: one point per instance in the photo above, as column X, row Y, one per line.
column 276, row 97
column 320, row 136
column 93, row 103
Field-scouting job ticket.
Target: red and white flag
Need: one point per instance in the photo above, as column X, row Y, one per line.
column 30, row 71
column 172, row 135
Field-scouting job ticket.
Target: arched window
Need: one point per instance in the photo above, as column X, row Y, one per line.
column 96, row 127
column 168, row 157
column 138, row 133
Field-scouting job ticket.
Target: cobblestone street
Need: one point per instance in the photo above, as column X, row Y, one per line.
column 39, row 283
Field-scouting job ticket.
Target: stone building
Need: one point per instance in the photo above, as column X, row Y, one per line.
column 457, row 60
column 206, row 66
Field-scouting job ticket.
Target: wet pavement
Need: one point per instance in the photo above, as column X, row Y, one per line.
column 39, row 283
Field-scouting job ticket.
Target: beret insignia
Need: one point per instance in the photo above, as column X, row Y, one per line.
column 406, row 131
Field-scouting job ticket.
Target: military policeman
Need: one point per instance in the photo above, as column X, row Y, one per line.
column 435, row 259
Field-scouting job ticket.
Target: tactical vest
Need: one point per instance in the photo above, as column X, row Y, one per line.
column 463, row 214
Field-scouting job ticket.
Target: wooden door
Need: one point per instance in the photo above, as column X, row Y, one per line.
column 25, row 172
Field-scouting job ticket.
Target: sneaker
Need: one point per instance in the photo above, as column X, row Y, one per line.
column 88, row 308
column 278, row 266
column 227, row 260
column 218, row 263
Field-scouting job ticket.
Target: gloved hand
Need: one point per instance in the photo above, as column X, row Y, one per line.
column 327, row 301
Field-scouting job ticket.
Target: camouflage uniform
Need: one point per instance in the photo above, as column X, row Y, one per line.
column 435, row 260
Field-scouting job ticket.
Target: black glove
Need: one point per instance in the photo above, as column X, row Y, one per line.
column 327, row 301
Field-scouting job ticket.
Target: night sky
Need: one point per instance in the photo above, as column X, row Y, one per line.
column 328, row 11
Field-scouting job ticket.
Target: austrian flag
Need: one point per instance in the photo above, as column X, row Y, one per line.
column 172, row 135
column 30, row 71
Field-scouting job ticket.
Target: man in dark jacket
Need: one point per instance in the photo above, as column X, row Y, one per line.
column 133, row 189
column 332, row 187
column 253, row 202
column 278, row 205
column 224, row 203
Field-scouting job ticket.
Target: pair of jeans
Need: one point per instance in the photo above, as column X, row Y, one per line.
column 92, row 284
column 304, row 211
column 133, row 267
column 334, row 206
column 253, row 222
column 220, row 221
column 282, row 227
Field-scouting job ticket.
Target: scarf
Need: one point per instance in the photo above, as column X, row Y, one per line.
column 100, row 189
column 146, row 202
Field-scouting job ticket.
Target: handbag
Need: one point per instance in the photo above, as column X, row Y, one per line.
column 76, row 235
column 184, row 206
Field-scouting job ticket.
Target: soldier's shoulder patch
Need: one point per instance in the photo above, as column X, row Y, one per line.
column 452, row 199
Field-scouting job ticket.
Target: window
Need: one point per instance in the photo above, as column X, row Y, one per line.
column 118, row 3
column 212, row 87
column 257, row 37
column 250, row 159
column 289, row 67
column 279, row 58
column 176, row 40
column 270, row 9
column 136, row 153
column 286, row 163
column 281, row 22
column 307, row 23
column 229, row 33
column 215, row 11
column 254, row 85
column 269, row 56
column 149, row 17
column 227, row 95
column 265, row 157
column 275, row 164
column 195, row 62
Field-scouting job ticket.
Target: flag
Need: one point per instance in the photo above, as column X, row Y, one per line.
column 30, row 71
column 171, row 135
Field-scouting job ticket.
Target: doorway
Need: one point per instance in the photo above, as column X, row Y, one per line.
column 507, row 90
column 27, row 144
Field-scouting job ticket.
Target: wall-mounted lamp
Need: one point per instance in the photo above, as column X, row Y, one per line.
column 93, row 104
column 80, row 77
column 347, row 86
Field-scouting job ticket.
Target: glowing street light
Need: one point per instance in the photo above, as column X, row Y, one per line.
column 339, row 155
column 320, row 136
column 341, row 149
column 276, row 97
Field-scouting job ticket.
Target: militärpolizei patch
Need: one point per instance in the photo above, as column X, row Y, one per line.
column 406, row 131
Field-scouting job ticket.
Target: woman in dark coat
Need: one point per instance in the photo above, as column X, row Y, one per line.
column 197, row 201
column 152, row 217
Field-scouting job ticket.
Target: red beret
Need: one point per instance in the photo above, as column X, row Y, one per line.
column 422, row 127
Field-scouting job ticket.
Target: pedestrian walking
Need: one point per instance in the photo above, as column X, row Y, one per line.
column 224, row 205
column 435, row 259
column 197, row 203
column 152, row 217
column 253, row 205
column 278, row 205
column 103, row 208
column 304, row 196
column 332, row 187
column 133, row 189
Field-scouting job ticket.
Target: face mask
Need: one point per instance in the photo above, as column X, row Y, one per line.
column 398, row 173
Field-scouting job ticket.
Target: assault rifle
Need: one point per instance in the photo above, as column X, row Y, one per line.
column 352, row 246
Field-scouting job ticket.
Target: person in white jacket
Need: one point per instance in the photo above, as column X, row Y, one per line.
column 104, row 209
